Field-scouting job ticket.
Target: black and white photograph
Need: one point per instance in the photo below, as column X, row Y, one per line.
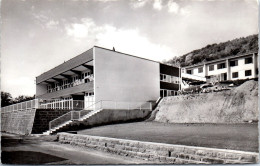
column 129, row 82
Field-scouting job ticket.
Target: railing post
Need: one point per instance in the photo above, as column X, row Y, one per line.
column 151, row 107
column 71, row 117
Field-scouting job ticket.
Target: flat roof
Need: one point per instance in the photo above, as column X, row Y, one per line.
column 127, row 54
column 221, row 59
column 136, row 56
column 76, row 61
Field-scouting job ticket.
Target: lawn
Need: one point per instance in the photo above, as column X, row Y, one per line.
column 224, row 136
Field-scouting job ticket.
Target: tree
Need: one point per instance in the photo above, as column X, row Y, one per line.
column 6, row 99
column 23, row 98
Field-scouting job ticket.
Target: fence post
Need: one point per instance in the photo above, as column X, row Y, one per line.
column 50, row 125
column 151, row 107
column 71, row 115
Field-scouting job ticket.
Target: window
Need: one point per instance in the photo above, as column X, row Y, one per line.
column 235, row 75
column 248, row 60
column 211, row 67
column 200, row 69
column 248, row 73
column 233, row 63
column 221, row 65
column 162, row 77
column 190, row 71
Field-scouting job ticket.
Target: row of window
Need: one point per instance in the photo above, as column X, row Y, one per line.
column 222, row 65
column 247, row 73
column 166, row 92
column 169, row 79
column 85, row 77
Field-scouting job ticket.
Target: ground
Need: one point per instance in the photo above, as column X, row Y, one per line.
column 224, row 136
column 45, row 150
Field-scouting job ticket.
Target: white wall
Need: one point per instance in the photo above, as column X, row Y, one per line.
column 241, row 69
column 41, row 89
column 121, row 77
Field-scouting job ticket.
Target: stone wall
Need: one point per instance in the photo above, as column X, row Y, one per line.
column 158, row 152
column 18, row 122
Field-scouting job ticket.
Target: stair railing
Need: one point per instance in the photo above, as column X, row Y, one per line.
column 103, row 104
column 72, row 115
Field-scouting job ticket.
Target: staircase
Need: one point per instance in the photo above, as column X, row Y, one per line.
column 80, row 116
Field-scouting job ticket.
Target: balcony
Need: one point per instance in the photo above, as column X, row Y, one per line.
column 68, row 90
column 87, row 79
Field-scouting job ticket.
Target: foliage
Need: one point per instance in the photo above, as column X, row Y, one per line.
column 215, row 51
column 7, row 99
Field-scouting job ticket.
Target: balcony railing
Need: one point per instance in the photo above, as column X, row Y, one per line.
column 89, row 78
column 45, row 104
column 61, row 104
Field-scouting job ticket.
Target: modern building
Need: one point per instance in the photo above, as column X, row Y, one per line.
column 101, row 74
column 243, row 66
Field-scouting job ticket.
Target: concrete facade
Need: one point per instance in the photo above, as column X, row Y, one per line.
column 124, row 78
column 231, row 68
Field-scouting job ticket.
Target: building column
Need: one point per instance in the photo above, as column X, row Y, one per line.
column 255, row 62
column 228, row 70
column 205, row 70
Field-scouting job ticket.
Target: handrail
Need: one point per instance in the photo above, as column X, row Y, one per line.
column 102, row 104
column 58, row 118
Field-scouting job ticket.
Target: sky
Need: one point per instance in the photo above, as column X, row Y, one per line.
column 37, row 35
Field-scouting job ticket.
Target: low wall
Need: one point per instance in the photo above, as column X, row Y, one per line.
column 107, row 116
column 112, row 116
column 158, row 152
column 18, row 122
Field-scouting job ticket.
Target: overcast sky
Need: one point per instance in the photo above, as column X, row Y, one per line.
column 38, row 35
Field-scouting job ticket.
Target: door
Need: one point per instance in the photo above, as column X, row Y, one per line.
column 89, row 101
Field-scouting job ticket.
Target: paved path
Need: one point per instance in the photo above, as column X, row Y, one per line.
column 225, row 136
column 37, row 151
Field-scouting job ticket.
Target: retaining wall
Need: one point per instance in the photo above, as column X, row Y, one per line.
column 158, row 152
column 18, row 122
column 34, row 121
column 107, row 116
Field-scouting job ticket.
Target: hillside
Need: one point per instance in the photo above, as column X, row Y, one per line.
column 238, row 105
column 215, row 51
